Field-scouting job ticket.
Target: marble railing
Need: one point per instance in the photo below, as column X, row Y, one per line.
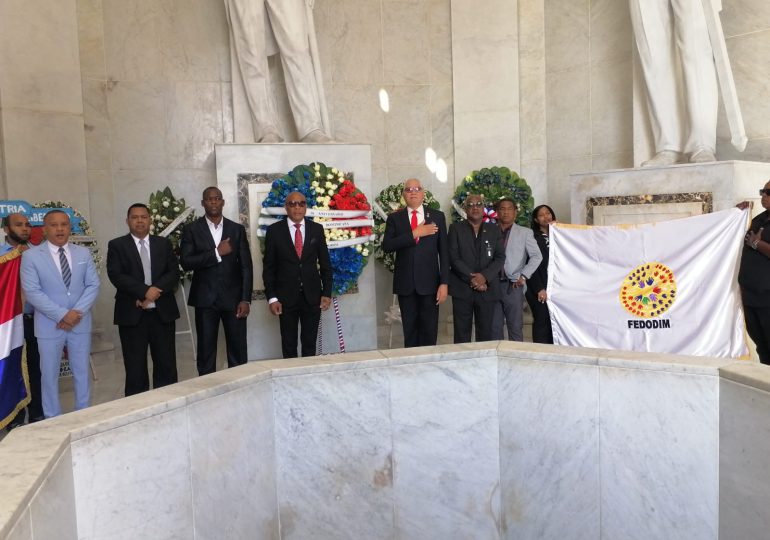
column 466, row 441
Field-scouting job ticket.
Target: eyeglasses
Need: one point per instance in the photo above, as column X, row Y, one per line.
column 764, row 192
column 412, row 189
column 296, row 204
column 474, row 204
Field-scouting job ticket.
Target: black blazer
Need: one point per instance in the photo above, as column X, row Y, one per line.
column 285, row 275
column 466, row 255
column 539, row 278
column 221, row 285
column 124, row 268
column 754, row 273
column 420, row 266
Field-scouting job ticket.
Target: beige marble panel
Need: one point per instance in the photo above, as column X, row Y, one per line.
column 745, row 16
column 23, row 528
column 611, row 107
column 399, row 173
column 193, row 124
column 756, row 150
column 359, row 119
column 442, row 120
column 568, row 113
column 616, row 160
column 566, row 34
column 559, row 185
column 96, row 123
column 132, row 39
column 407, row 125
column 194, row 40
column 534, row 172
column 45, row 157
column 350, row 40
column 137, row 115
column 477, row 20
column 748, row 56
column 103, row 218
column 485, row 141
column 486, row 60
column 53, row 508
column 405, row 42
column 532, row 107
column 440, row 35
column 39, row 58
column 611, row 36
column 91, row 39
column 228, row 128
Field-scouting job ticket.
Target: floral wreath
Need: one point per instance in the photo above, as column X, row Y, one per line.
column 333, row 201
column 494, row 184
column 87, row 239
column 389, row 200
column 168, row 216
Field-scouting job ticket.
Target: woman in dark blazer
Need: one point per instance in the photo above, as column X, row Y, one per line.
column 536, row 294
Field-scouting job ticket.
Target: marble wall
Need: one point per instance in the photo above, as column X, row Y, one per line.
column 491, row 440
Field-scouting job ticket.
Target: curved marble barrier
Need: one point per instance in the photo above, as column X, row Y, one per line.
column 466, row 441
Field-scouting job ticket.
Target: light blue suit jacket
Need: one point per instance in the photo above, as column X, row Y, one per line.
column 44, row 288
column 522, row 254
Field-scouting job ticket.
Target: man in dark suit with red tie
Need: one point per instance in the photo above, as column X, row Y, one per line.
column 145, row 272
column 297, row 274
column 217, row 251
column 418, row 236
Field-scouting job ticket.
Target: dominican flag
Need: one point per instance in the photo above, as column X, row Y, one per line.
column 14, row 381
column 668, row 287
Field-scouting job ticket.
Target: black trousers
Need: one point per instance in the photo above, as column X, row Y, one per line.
column 160, row 338
column 307, row 316
column 758, row 328
column 465, row 311
column 419, row 319
column 541, row 319
column 207, row 327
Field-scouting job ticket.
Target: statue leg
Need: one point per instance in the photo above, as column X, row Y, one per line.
column 699, row 73
column 247, row 35
column 289, row 23
column 653, row 32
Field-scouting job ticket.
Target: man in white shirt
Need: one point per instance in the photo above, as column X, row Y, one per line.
column 60, row 280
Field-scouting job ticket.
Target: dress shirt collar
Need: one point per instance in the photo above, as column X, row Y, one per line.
column 420, row 213
column 215, row 226
column 146, row 241
column 55, row 249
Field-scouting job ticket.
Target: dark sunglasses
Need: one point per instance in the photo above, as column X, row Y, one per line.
column 764, row 192
column 295, row 204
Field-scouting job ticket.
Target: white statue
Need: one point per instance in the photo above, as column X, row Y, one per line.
column 256, row 28
column 678, row 42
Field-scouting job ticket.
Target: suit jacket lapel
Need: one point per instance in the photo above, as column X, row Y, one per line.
column 48, row 260
column 306, row 240
column 206, row 232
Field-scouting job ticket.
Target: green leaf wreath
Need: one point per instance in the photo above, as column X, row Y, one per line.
column 389, row 200
column 494, row 184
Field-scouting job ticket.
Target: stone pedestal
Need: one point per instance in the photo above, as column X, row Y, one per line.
column 244, row 175
column 646, row 195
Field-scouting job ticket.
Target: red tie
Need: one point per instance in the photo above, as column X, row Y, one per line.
column 414, row 224
column 298, row 241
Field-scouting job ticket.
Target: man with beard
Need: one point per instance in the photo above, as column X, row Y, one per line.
column 17, row 233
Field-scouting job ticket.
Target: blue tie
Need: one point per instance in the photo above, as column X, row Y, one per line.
column 66, row 274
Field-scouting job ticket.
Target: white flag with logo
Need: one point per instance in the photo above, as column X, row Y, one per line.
column 666, row 287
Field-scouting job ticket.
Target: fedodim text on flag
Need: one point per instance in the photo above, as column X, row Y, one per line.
column 667, row 287
column 14, row 385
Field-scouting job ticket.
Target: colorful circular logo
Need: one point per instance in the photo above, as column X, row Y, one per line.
column 649, row 290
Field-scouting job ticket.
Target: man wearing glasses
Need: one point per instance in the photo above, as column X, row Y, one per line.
column 754, row 277
column 217, row 252
column 477, row 256
column 297, row 274
column 417, row 234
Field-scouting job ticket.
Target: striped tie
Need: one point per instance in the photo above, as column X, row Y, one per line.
column 66, row 274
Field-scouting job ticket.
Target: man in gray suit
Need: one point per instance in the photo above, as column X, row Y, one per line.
column 522, row 257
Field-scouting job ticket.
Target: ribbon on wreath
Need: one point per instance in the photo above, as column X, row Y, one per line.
column 319, row 345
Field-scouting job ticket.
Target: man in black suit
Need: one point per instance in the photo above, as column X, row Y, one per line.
column 217, row 251
column 476, row 256
column 418, row 236
column 298, row 276
column 145, row 272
